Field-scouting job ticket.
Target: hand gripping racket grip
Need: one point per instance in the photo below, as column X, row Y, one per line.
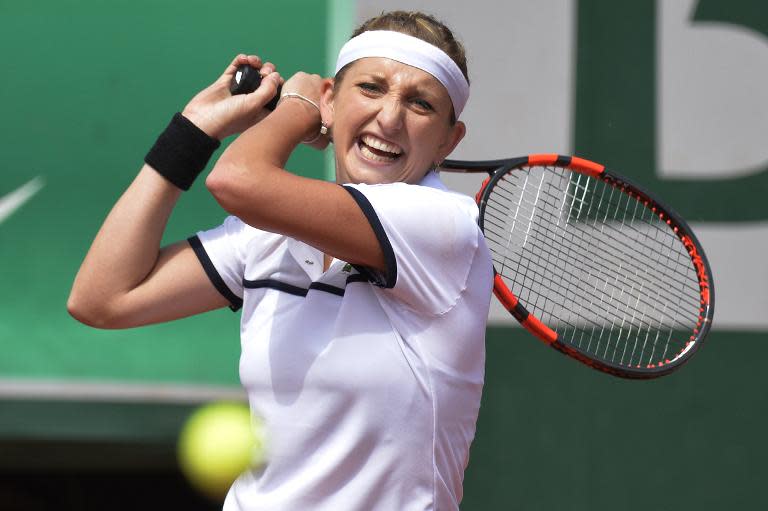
column 246, row 80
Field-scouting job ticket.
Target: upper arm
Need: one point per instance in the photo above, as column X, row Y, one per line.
column 176, row 287
column 319, row 213
column 203, row 273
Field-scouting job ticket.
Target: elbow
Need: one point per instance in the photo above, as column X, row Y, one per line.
column 82, row 312
column 238, row 190
column 87, row 313
column 217, row 185
column 222, row 183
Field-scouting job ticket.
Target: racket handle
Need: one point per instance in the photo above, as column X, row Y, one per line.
column 246, row 80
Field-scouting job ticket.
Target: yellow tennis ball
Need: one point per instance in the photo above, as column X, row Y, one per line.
column 218, row 442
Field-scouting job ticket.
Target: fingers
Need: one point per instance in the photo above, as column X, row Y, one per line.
column 266, row 91
column 252, row 60
column 267, row 68
column 242, row 59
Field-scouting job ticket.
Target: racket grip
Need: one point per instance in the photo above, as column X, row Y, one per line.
column 246, row 80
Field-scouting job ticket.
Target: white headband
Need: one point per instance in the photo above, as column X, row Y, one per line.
column 413, row 52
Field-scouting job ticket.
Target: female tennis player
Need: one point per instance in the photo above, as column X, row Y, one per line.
column 363, row 301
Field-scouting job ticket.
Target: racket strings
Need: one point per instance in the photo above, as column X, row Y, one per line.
column 593, row 263
column 675, row 261
column 625, row 249
column 622, row 253
column 573, row 287
column 575, row 237
column 621, row 259
column 617, row 313
column 599, row 298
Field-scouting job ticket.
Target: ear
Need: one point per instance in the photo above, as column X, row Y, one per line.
column 456, row 133
column 326, row 102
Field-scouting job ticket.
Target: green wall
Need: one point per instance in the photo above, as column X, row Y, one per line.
column 86, row 87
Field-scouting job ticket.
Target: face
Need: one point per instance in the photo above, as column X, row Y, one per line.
column 390, row 122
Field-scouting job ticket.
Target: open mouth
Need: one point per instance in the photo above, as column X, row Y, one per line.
column 378, row 150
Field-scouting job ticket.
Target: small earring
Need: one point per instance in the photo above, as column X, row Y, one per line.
column 328, row 131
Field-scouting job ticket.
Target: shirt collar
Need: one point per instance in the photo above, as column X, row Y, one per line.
column 432, row 180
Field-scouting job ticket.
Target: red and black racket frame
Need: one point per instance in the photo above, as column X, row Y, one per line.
column 497, row 169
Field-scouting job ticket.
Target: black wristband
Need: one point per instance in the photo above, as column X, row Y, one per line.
column 181, row 152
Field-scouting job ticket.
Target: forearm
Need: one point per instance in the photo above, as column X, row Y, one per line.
column 127, row 246
column 126, row 279
column 271, row 142
column 246, row 177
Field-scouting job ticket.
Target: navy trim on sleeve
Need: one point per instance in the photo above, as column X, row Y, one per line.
column 389, row 278
column 235, row 302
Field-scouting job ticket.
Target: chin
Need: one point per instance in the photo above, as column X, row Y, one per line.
column 364, row 176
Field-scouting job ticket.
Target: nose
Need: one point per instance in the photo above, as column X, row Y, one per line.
column 390, row 116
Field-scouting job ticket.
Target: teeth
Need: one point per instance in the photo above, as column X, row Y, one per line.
column 381, row 145
column 373, row 156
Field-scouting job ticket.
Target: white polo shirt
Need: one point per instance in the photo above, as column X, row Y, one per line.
column 369, row 391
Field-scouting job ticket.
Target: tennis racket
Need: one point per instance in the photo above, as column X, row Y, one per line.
column 593, row 265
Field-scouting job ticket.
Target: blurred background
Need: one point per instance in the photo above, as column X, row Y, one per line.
column 669, row 92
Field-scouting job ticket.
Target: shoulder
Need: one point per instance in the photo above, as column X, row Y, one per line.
column 428, row 200
column 429, row 237
column 235, row 240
